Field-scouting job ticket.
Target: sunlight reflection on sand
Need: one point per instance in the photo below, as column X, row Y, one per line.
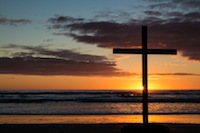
column 95, row 119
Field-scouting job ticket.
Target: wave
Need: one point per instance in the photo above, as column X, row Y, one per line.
column 100, row 100
column 102, row 113
column 192, row 96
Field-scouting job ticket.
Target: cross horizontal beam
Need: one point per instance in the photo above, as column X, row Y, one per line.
column 141, row 51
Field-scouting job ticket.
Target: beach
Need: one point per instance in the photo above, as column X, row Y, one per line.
column 96, row 111
column 87, row 128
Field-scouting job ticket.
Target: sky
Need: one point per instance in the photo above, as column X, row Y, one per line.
column 68, row 44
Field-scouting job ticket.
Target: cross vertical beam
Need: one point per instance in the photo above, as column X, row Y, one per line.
column 144, row 75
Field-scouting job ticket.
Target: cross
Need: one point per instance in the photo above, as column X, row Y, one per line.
column 144, row 51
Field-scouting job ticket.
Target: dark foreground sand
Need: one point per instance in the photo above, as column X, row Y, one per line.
column 87, row 128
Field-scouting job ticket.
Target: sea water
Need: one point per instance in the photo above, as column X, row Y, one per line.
column 173, row 106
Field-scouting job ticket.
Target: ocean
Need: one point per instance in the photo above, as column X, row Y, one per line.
column 172, row 106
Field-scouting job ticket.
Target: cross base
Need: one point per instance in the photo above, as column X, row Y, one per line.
column 150, row 128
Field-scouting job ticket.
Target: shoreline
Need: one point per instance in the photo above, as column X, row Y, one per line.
column 96, row 119
column 89, row 128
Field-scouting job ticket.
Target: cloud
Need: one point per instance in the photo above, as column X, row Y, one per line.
column 187, row 5
column 61, row 19
column 53, row 66
column 154, row 13
column 11, row 21
column 170, row 26
column 41, row 61
column 60, row 53
column 175, row 74
column 103, row 34
column 47, row 40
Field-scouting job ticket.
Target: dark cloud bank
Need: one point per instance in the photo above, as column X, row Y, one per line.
column 172, row 24
column 41, row 61
column 183, row 36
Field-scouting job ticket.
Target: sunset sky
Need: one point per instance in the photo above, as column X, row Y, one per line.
column 67, row 44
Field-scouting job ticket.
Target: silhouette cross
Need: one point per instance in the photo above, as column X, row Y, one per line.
column 144, row 51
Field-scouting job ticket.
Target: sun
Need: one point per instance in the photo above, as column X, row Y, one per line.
column 141, row 88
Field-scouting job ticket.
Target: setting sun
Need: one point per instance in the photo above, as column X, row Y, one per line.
column 141, row 88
